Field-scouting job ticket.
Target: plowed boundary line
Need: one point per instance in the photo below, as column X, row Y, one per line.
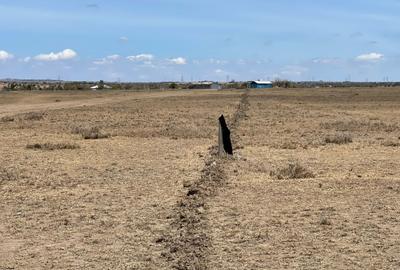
column 187, row 245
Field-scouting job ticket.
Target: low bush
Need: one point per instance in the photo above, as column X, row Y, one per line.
column 91, row 133
column 52, row 146
column 7, row 119
column 391, row 144
column 292, row 171
column 7, row 175
column 340, row 138
column 33, row 116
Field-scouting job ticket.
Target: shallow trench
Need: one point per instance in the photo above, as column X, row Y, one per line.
column 187, row 244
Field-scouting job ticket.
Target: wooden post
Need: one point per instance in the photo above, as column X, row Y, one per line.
column 224, row 138
column 221, row 150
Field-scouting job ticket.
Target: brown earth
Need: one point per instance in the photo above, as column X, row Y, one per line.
column 346, row 217
column 153, row 194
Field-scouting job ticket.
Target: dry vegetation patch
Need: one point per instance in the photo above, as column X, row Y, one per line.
column 359, row 125
column 33, row 116
column 7, row 175
column 289, row 145
column 5, row 119
column 52, row 146
column 339, row 138
column 391, row 144
column 90, row 133
column 293, row 170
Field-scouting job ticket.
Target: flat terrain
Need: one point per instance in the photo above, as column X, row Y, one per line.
column 314, row 182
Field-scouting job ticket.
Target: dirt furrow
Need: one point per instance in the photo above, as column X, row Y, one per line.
column 187, row 244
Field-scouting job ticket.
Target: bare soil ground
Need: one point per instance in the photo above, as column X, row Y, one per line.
column 346, row 217
column 105, row 204
column 313, row 184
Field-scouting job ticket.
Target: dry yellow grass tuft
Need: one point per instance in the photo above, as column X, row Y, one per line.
column 339, row 138
column 90, row 133
column 7, row 175
column 391, row 144
column 33, row 116
column 52, row 146
column 293, row 170
column 7, row 119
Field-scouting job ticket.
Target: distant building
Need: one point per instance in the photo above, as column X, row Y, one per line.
column 216, row 86
column 260, row 84
column 95, row 87
column 205, row 85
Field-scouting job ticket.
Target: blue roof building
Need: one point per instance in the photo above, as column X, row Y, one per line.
column 260, row 84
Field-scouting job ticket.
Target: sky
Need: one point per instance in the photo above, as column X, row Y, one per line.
column 194, row 40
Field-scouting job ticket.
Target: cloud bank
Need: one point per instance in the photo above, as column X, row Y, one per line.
column 178, row 61
column 5, row 55
column 141, row 58
column 66, row 54
column 107, row 60
column 370, row 57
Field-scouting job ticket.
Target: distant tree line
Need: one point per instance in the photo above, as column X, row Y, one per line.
column 76, row 86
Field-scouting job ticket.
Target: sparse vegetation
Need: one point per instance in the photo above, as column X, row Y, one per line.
column 355, row 125
column 325, row 221
column 52, row 146
column 33, row 116
column 7, row 119
column 7, row 175
column 158, row 173
column 172, row 86
column 289, row 145
column 391, row 144
column 90, row 133
column 339, row 138
column 293, row 170
column 284, row 84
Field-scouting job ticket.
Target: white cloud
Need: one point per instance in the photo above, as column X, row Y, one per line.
column 64, row 55
column 370, row 57
column 217, row 61
column 5, row 56
column 141, row 58
column 178, row 61
column 326, row 61
column 113, row 57
column 107, row 60
column 124, row 39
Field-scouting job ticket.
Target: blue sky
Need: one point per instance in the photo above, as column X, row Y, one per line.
column 165, row 40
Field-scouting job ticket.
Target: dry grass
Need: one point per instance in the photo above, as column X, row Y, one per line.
column 52, row 146
column 339, row 138
column 107, row 205
column 360, row 125
column 5, row 119
column 7, row 175
column 293, row 170
column 289, row 146
column 33, row 116
column 90, row 133
column 325, row 221
column 391, row 143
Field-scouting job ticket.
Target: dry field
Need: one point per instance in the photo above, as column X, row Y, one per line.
column 125, row 180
